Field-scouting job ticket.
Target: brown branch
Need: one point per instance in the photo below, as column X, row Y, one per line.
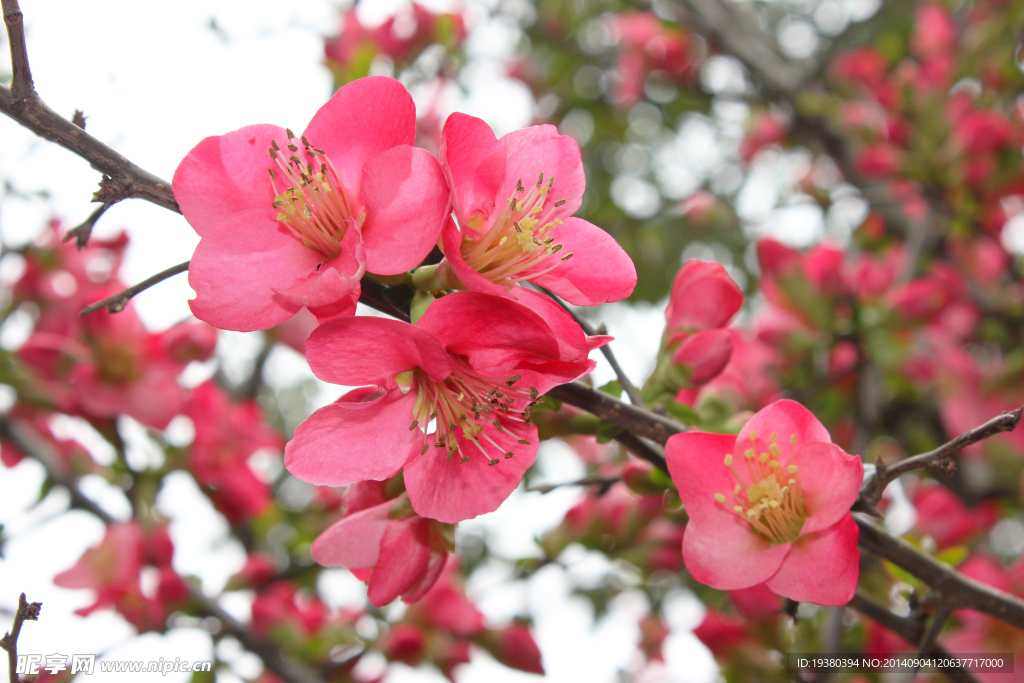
column 956, row 590
column 603, row 484
column 32, row 445
column 634, row 420
column 911, row 630
column 81, row 233
column 22, row 103
column 116, row 303
column 27, row 611
column 940, row 458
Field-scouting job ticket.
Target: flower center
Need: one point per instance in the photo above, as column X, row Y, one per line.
column 313, row 205
column 769, row 497
column 517, row 246
column 462, row 403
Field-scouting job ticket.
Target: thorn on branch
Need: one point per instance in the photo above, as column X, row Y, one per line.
column 117, row 303
column 78, row 118
column 83, row 232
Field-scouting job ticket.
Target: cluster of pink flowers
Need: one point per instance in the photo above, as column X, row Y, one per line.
column 290, row 222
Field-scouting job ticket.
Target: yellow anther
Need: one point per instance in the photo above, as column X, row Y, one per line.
column 719, row 497
column 764, row 457
column 728, row 459
column 792, row 439
column 792, row 469
column 774, row 464
column 749, row 454
column 737, row 508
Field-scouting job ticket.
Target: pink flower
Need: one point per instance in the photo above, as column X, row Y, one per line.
column 385, row 544
column 289, row 222
column 765, row 129
column 514, row 199
column 449, row 398
column 779, row 514
column 934, row 32
column 113, row 569
column 879, row 160
column 227, row 434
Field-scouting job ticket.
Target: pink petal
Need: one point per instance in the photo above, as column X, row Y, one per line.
column 599, row 271
column 451, row 243
column 474, row 163
column 346, row 442
column 363, row 119
column 540, row 149
column 572, row 343
column 727, row 555
column 407, row 201
column 404, row 559
column 236, row 268
column 225, row 177
column 364, row 350
column 830, row 481
column 823, row 567
column 782, row 418
column 492, row 332
column 451, row 491
column 354, row 541
column 706, row 353
column 696, row 463
column 435, row 566
column 703, row 296
column 331, row 290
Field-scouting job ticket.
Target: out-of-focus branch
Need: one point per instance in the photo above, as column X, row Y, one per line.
column 603, row 484
column 956, row 590
column 911, row 630
column 741, row 38
column 27, row 611
column 33, row 446
column 116, row 303
column 22, row 103
column 940, row 458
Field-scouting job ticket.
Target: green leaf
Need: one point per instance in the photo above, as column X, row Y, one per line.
column 613, row 388
column 683, row 413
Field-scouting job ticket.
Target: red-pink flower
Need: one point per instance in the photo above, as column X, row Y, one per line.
column 113, row 569
column 514, row 199
column 227, row 434
column 703, row 301
column 448, row 398
column 770, row 505
column 289, row 221
column 385, row 544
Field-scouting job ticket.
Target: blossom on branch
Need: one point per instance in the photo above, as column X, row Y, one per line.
column 449, row 399
column 290, row 221
column 770, row 505
column 513, row 204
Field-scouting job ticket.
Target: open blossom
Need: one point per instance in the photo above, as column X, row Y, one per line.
column 514, row 199
column 448, row 398
column 385, row 543
column 770, row 505
column 290, row 221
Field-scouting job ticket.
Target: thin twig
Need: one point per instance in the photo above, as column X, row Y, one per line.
column 910, row 629
column 22, row 103
column 940, row 458
column 22, row 87
column 83, row 232
column 27, row 611
column 603, row 484
column 957, row 590
column 932, row 636
column 609, row 355
column 32, row 445
column 116, row 303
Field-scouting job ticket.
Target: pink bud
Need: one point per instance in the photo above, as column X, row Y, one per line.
column 518, row 650
column 705, row 353
column 405, row 643
column 703, row 296
column 190, row 340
